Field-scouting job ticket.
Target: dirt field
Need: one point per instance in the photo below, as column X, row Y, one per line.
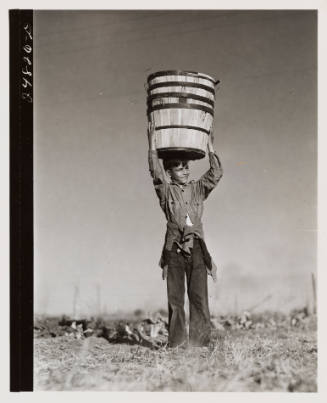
column 262, row 358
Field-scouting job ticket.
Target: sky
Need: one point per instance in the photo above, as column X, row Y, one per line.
column 99, row 229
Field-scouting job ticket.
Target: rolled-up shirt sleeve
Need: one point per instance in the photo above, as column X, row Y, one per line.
column 210, row 179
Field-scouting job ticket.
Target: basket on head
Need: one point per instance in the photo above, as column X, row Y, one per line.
column 181, row 106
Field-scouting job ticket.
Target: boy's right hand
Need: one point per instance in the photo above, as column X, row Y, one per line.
column 151, row 136
column 150, row 129
column 165, row 272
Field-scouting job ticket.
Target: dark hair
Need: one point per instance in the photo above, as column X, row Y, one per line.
column 173, row 163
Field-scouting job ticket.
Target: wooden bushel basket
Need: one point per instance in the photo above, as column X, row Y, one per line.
column 181, row 106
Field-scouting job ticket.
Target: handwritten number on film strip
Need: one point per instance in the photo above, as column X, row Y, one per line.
column 27, row 65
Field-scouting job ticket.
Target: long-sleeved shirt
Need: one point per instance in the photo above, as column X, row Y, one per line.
column 179, row 201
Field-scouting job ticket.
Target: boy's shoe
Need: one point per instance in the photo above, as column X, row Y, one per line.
column 182, row 346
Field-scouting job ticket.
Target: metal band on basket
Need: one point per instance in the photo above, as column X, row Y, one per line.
column 180, row 106
column 180, row 95
column 180, row 84
column 200, row 129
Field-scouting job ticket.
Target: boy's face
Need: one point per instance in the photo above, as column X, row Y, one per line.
column 180, row 173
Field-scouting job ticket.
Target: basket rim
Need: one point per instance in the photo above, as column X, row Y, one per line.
column 189, row 152
column 188, row 73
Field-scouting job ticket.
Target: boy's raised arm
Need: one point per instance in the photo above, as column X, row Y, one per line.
column 210, row 179
column 155, row 168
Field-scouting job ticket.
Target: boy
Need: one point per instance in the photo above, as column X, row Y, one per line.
column 185, row 251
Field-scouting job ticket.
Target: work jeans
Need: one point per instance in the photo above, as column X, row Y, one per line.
column 197, row 290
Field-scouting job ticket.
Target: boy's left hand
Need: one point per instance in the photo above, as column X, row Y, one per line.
column 165, row 272
column 210, row 140
column 211, row 133
column 213, row 272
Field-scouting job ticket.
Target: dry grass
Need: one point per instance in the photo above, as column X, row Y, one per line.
column 267, row 359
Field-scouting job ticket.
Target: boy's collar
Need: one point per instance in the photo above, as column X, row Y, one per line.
column 181, row 185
